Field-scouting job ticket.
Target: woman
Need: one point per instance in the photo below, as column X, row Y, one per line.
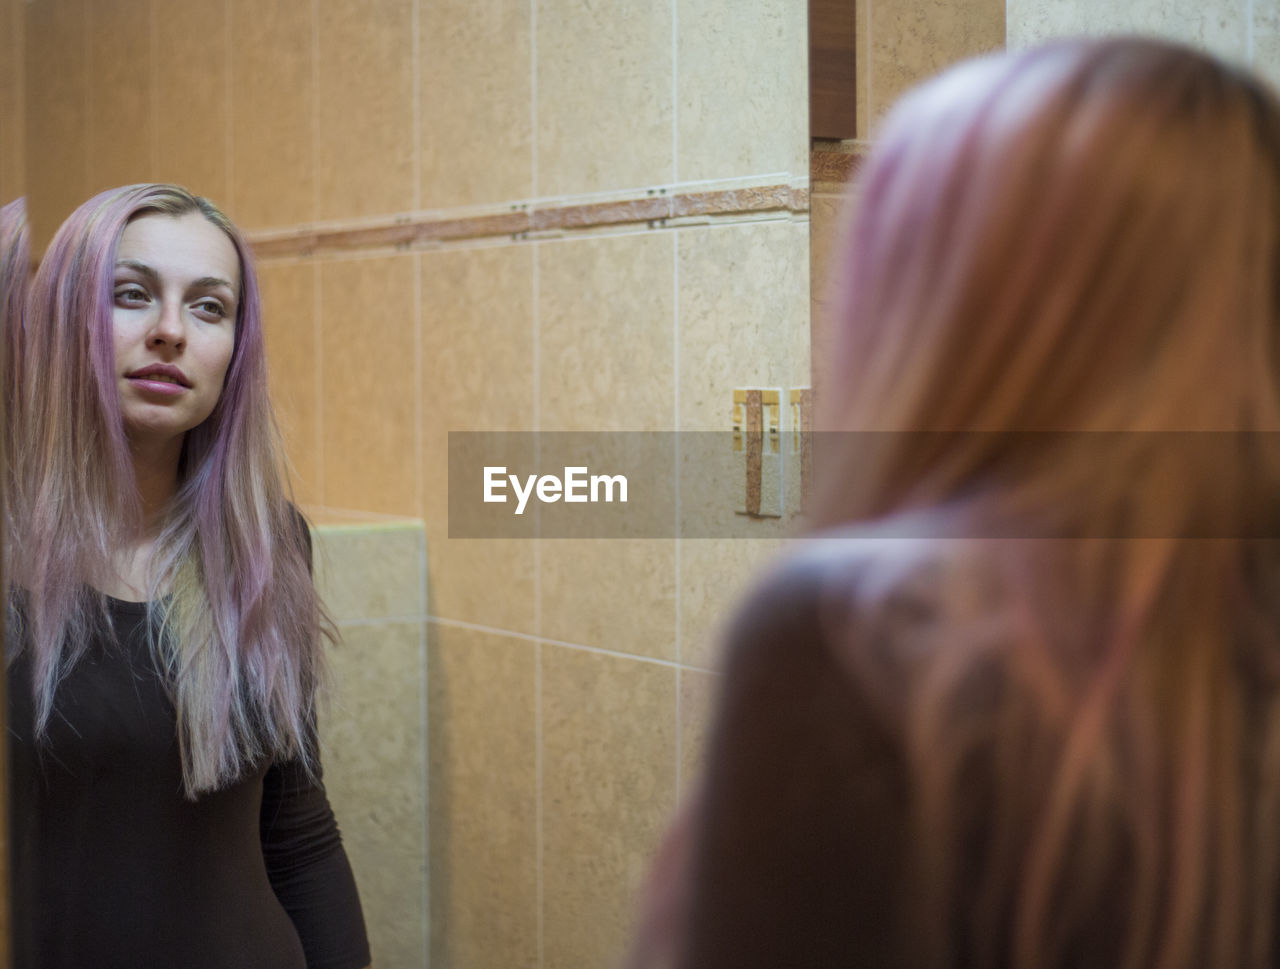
column 1022, row 707
column 165, row 643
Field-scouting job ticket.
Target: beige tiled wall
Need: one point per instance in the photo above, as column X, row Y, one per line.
column 12, row 97
column 604, row 105
column 373, row 724
column 1244, row 31
column 271, row 156
column 566, row 685
column 902, row 42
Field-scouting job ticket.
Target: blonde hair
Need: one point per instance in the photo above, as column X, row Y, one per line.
column 1062, row 273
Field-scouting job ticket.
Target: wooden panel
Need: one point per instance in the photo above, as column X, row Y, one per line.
column 832, row 104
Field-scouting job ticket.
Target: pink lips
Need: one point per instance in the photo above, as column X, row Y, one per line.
column 160, row 378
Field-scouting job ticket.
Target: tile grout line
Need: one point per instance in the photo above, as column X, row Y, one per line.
column 538, row 790
column 418, row 402
column 675, row 350
column 424, row 685
column 527, row 637
column 536, row 365
column 675, row 353
column 425, row 728
column 429, row 619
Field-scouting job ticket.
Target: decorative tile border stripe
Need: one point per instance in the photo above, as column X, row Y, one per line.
column 651, row 208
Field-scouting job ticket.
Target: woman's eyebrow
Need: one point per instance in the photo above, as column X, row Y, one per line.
column 204, row 282
column 211, row 282
column 141, row 268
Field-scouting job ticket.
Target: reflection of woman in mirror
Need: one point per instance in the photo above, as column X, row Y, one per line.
column 1056, row 745
column 165, row 640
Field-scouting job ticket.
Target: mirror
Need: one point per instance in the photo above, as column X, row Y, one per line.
column 507, row 216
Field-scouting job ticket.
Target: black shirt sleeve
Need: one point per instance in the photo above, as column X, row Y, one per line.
column 798, row 837
column 309, row 870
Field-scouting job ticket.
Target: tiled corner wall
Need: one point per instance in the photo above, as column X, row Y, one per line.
column 566, row 685
column 373, row 722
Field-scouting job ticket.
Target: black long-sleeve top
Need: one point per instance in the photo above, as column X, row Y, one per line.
column 114, row 868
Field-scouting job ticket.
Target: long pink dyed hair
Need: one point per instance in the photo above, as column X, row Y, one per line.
column 1081, row 237
column 15, row 258
column 238, row 622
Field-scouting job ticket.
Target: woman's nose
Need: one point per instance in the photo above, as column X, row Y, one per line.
column 169, row 328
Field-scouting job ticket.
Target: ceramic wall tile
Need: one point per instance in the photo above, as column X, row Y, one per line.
column 911, row 40
column 743, row 296
column 828, row 219
column 13, row 141
column 483, row 814
column 862, row 67
column 615, row 594
column 605, row 333
column 272, row 143
column 374, row 748
column 1220, row 25
column 742, row 90
column 1266, row 39
column 608, row 742
column 192, row 109
column 57, row 101
column 371, row 571
column 369, row 385
column 290, row 326
column 475, row 102
column 477, row 375
column 797, row 324
column 714, row 577
column 604, row 98
column 364, row 109
column 743, row 289
column 121, row 118
column 1266, row 57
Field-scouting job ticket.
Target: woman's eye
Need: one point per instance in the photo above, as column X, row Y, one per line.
column 131, row 294
column 212, row 307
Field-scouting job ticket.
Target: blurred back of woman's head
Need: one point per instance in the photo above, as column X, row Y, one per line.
column 1080, row 237
column 1061, row 272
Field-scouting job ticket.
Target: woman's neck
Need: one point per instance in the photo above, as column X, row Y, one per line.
column 155, row 469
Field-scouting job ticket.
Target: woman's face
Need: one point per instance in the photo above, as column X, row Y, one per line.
column 177, row 279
